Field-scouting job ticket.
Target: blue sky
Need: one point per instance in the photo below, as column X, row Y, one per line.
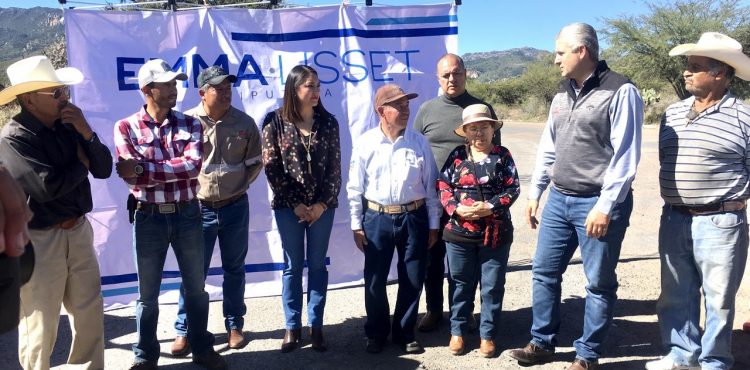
column 485, row 25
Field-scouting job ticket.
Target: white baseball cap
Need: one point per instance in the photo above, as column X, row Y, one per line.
column 157, row 70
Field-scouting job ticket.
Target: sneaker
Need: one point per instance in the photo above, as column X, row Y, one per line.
column 531, row 354
column 210, row 360
column 667, row 363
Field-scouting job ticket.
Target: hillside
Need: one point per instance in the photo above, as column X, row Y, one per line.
column 497, row 65
column 26, row 32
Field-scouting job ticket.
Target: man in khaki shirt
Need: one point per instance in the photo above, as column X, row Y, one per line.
column 231, row 161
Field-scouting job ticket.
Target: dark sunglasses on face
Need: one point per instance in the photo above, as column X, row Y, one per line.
column 56, row 93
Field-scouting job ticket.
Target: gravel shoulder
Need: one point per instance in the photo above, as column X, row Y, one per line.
column 633, row 338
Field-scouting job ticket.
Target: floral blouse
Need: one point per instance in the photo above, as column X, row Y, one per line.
column 457, row 184
column 293, row 178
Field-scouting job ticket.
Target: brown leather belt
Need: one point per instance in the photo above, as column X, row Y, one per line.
column 163, row 208
column 68, row 224
column 395, row 209
column 222, row 203
column 728, row 206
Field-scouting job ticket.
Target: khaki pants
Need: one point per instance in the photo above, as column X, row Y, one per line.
column 66, row 272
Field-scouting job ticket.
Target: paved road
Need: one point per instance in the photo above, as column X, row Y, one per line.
column 632, row 341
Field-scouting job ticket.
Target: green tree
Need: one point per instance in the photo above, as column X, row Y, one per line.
column 639, row 45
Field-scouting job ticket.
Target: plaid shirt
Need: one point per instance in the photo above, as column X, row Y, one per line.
column 171, row 155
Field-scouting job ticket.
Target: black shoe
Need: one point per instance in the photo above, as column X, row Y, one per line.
column 531, row 354
column 430, row 321
column 292, row 339
column 210, row 360
column 412, row 348
column 144, row 365
column 374, row 346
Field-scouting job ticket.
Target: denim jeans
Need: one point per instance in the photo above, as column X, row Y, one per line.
column 561, row 232
column 406, row 233
column 152, row 235
column 469, row 264
column 230, row 224
column 707, row 252
column 293, row 235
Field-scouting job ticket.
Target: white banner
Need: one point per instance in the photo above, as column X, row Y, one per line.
column 354, row 49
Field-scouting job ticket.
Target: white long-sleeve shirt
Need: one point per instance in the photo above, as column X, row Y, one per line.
column 392, row 173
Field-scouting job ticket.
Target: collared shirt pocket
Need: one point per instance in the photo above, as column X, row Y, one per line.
column 144, row 145
column 236, row 146
column 180, row 141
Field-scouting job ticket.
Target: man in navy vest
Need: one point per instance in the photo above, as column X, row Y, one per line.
column 589, row 152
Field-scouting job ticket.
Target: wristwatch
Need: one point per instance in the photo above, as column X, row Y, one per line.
column 138, row 169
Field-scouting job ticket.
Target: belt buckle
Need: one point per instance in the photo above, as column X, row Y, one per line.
column 167, row 208
column 393, row 209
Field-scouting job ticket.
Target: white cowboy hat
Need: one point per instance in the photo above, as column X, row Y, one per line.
column 36, row 73
column 477, row 113
column 721, row 47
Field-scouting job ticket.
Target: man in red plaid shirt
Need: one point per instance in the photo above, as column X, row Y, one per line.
column 160, row 154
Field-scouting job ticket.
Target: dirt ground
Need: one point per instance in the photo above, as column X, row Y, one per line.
column 633, row 338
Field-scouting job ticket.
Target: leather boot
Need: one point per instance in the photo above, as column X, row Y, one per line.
column 316, row 340
column 487, row 348
column 291, row 340
column 456, row 345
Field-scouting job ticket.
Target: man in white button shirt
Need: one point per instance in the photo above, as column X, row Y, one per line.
column 394, row 206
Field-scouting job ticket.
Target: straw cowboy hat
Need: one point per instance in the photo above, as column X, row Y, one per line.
column 721, row 47
column 36, row 73
column 477, row 113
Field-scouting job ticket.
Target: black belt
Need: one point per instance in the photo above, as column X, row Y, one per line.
column 222, row 203
column 163, row 208
column 707, row 209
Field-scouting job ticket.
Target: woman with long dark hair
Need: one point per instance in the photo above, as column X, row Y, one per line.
column 302, row 158
column 477, row 186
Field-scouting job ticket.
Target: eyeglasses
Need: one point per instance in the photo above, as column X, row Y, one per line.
column 477, row 129
column 400, row 106
column 57, row 93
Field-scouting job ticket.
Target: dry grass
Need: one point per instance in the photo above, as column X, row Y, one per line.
column 7, row 112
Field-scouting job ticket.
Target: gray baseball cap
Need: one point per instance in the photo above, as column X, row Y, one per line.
column 214, row 75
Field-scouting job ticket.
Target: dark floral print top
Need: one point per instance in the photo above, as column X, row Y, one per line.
column 292, row 177
column 457, row 184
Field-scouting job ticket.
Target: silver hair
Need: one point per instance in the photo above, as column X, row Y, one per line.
column 716, row 66
column 581, row 34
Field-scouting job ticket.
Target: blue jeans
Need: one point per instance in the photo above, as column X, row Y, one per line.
column 707, row 252
column 293, row 235
column 406, row 233
column 230, row 225
column 561, row 231
column 152, row 235
column 469, row 264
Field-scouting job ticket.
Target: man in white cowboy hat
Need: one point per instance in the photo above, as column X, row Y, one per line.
column 160, row 153
column 703, row 236
column 589, row 152
column 231, row 161
column 436, row 120
column 51, row 149
column 394, row 206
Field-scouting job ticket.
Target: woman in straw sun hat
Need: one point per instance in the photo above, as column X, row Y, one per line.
column 477, row 186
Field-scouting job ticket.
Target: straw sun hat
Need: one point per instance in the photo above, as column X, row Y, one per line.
column 477, row 113
column 721, row 47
